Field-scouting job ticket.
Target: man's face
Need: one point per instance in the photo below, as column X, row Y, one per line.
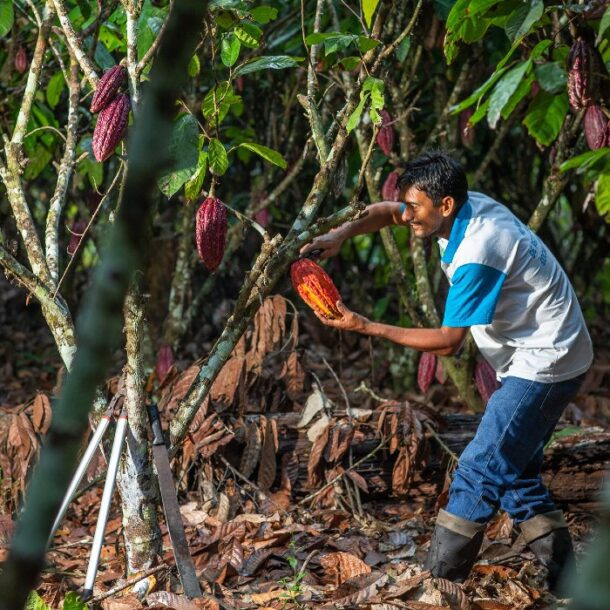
column 424, row 218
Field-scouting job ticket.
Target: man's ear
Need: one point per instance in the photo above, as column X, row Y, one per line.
column 448, row 206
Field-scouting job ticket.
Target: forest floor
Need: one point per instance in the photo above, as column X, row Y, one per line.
column 305, row 482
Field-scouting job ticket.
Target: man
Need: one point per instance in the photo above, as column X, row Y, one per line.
column 509, row 291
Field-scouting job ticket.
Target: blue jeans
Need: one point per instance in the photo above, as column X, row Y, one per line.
column 500, row 467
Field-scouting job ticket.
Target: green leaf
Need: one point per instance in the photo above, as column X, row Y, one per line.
column 217, row 157
column 588, row 160
column 248, row 34
column 268, row 62
column 521, row 20
column 403, row 49
column 602, row 196
column 7, row 17
column 194, row 66
column 365, row 43
column 545, row 116
column 184, row 151
column 540, row 48
column 354, row 118
column 35, row 602
column 266, row 153
column 229, row 49
column 376, row 87
column 264, row 14
column 479, row 93
column 54, row 88
column 193, row 185
column 72, row 601
column 38, row 160
column 525, row 86
column 224, row 97
column 333, row 41
column 604, row 24
column 504, row 90
column 368, row 8
column 551, row 76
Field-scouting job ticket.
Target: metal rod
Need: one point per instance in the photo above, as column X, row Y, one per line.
column 100, row 528
column 80, row 472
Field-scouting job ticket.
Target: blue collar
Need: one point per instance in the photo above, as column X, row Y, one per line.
column 458, row 230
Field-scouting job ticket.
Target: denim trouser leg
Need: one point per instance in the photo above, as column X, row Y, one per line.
column 501, row 465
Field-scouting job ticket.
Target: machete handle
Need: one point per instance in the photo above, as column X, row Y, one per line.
column 155, row 422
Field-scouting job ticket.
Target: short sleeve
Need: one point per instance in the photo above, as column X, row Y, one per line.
column 473, row 295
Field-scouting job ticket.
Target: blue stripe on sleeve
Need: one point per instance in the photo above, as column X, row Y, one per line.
column 473, row 295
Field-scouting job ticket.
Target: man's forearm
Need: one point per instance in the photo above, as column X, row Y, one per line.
column 440, row 341
column 379, row 215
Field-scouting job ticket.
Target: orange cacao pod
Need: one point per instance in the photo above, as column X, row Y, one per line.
column 390, row 190
column 21, row 60
column 211, row 232
column 597, row 128
column 110, row 127
column 485, row 379
column 386, row 135
column 426, row 371
column 165, row 361
column 107, row 87
column 581, row 75
column 315, row 287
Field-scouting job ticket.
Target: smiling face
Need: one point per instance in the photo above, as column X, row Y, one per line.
column 426, row 219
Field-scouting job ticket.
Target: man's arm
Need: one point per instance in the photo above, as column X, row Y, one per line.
column 378, row 215
column 443, row 341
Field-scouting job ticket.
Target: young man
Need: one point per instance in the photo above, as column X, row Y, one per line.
column 509, row 291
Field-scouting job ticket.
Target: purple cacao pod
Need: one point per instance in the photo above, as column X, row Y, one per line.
column 597, row 128
column 110, row 127
column 390, row 190
column 466, row 130
column 426, row 371
column 485, row 380
column 263, row 217
column 107, row 87
column 535, row 88
column 581, row 77
column 21, row 60
column 211, row 232
column 439, row 374
column 386, row 135
column 76, row 234
column 165, row 361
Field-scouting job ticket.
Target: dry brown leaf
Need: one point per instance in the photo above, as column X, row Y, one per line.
column 499, row 528
column 127, row 602
column 269, row 331
column 254, row 561
column 228, row 382
column 263, row 598
column 315, row 459
column 358, row 479
column 175, row 392
column 252, row 452
column 344, row 566
column 165, row 599
column 454, row 593
column 491, row 604
column 293, row 375
column 41, row 413
column 268, row 466
column 366, row 587
column 341, row 440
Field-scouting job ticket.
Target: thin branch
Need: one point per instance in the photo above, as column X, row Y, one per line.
column 130, row 582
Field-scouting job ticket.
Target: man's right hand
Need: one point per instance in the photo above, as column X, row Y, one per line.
column 329, row 244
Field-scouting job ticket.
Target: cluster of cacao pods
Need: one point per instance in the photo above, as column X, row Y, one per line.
column 315, row 287
column 113, row 108
column 21, row 60
column 386, row 134
column 211, row 232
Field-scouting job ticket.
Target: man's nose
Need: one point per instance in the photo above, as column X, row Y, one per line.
column 407, row 213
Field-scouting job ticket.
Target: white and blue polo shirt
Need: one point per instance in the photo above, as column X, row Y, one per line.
column 509, row 288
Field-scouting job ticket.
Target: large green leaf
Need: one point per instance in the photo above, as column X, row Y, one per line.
column 593, row 159
column 269, row 62
column 54, row 88
column 266, row 153
column 478, row 93
column 264, row 14
column 72, row 601
column 184, row 152
column 7, row 17
column 525, row 86
column 219, row 98
column 545, row 116
column 551, row 76
column 368, row 9
column 217, row 157
column 229, row 49
column 604, row 23
column 35, row 602
column 248, row 34
column 504, row 90
column 521, row 20
column 602, row 196
column 354, row 118
column 193, row 185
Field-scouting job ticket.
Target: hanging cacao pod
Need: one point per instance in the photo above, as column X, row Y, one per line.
column 211, row 232
column 386, row 135
column 390, row 190
column 581, row 76
column 466, row 130
column 440, row 374
column 426, row 371
column 485, row 379
column 76, row 234
column 21, row 60
column 110, row 127
column 107, row 87
column 165, row 361
column 597, row 128
column 263, row 217
column 315, row 287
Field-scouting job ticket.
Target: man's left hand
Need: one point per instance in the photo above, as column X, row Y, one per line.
column 348, row 320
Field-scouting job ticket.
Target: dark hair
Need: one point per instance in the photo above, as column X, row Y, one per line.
column 436, row 174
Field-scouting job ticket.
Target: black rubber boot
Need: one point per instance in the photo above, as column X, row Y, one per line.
column 454, row 547
column 548, row 537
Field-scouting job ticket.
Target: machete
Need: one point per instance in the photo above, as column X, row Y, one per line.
column 175, row 527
